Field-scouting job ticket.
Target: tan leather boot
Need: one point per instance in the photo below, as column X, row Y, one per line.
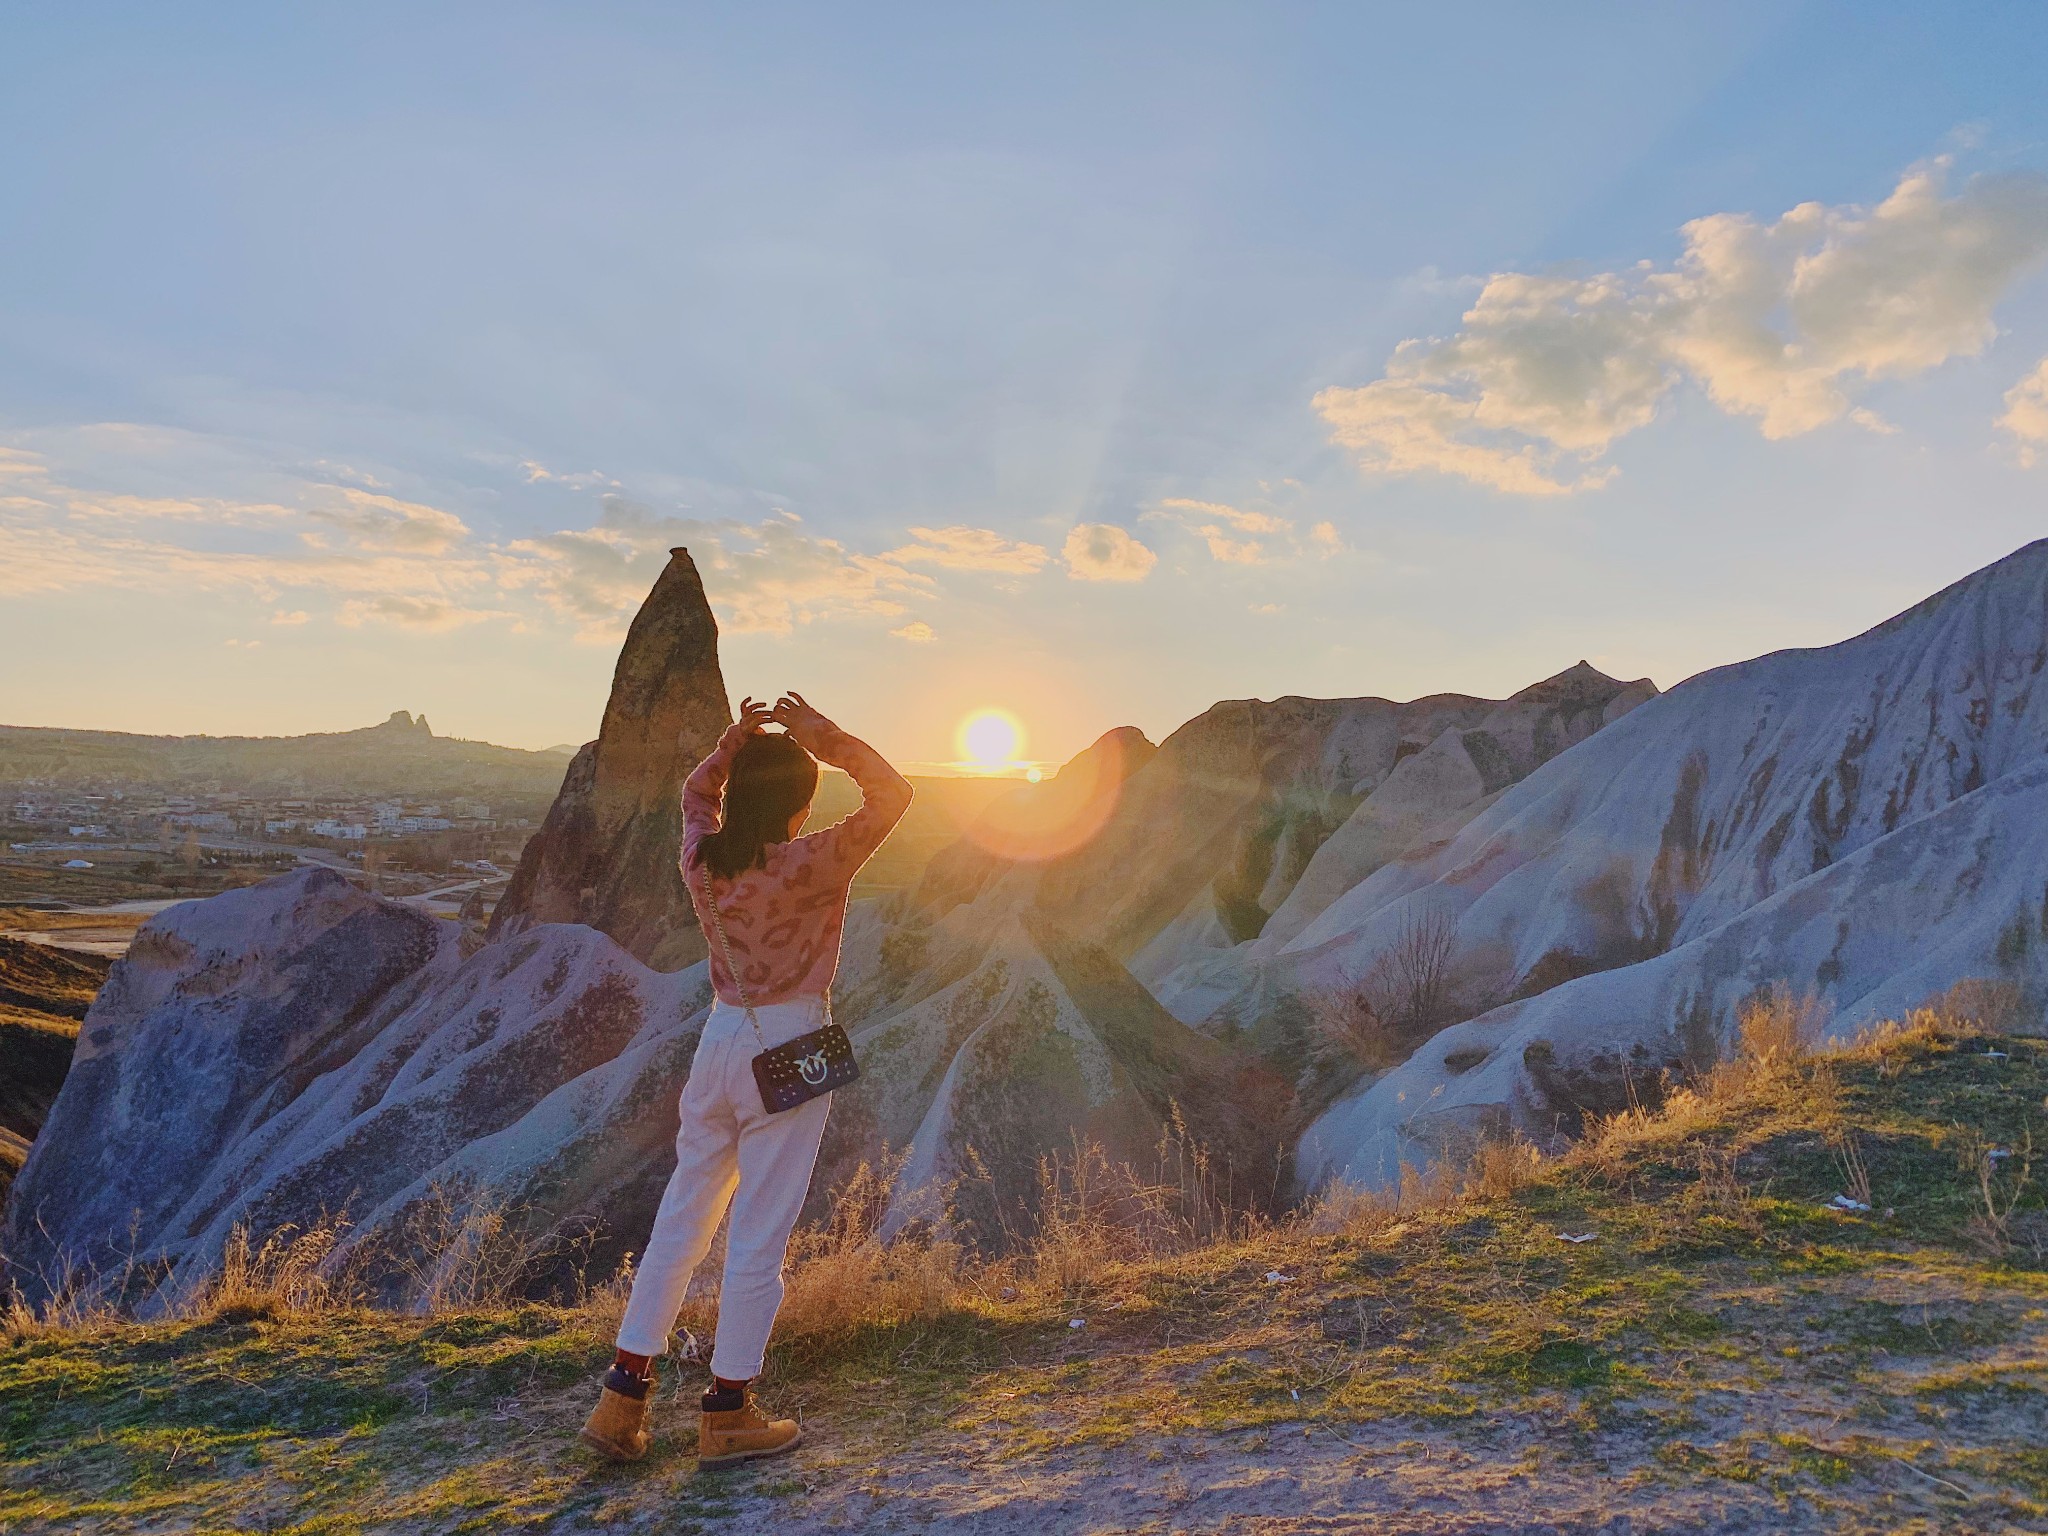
column 742, row 1433
column 621, row 1426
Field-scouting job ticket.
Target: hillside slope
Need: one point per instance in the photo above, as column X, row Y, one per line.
column 44, row 992
column 401, row 756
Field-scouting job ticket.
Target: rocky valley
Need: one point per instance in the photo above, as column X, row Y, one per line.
column 1315, row 939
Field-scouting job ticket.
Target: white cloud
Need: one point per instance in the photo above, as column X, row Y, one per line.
column 2026, row 414
column 917, row 632
column 297, row 616
column 373, row 521
column 20, row 462
column 969, row 549
column 1325, row 538
column 1777, row 321
column 1105, row 552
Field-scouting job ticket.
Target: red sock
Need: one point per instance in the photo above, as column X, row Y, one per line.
column 634, row 1365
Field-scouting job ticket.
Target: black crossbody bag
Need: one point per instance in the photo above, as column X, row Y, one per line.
column 798, row 1070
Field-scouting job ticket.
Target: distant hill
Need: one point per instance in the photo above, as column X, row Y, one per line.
column 401, row 756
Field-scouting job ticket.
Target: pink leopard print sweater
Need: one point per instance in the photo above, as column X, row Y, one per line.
column 784, row 920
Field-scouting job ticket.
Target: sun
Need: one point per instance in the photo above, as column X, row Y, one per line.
column 990, row 738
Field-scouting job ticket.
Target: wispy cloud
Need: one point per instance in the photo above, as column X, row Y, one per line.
column 2026, row 414
column 1241, row 535
column 970, row 549
column 578, row 480
column 766, row 576
column 1777, row 321
column 429, row 614
column 309, row 550
column 373, row 521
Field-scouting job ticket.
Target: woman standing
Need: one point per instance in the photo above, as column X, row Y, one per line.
column 772, row 905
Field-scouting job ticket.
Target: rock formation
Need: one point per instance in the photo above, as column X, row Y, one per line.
column 1251, row 818
column 222, row 1012
column 1866, row 822
column 606, row 855
column 1047, row 1042
column 1607, row 873
column 303, row 1049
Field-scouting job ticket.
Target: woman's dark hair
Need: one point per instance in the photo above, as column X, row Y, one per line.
column 772, row 779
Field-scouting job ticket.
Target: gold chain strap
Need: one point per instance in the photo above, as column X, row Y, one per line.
column 731, row 965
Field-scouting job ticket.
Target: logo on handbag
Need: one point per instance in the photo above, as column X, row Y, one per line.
column 812, row 1068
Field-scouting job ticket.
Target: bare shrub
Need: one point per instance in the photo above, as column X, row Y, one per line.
column 1777, row 1029
column 1411, row 978
column 1981, row 1005
column 2002, row 1175
column 841, row 1276
column 1403, row 998
column 457, row 1249
column 291, row 1271
column 1847, row 1150
column 1502, row 1166
column 1347, row 1030
column 1355, row 1210
column 1092, row 1213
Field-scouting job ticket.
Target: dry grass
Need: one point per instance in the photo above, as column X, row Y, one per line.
column 1092, row 1217
column 1778, row 1029
column 453, row 1253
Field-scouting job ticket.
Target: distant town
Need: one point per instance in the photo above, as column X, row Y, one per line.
column 101, row 819
column 427, row 837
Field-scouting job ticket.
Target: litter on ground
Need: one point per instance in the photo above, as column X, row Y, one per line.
column 1576, row 1237
column 1844, row 1203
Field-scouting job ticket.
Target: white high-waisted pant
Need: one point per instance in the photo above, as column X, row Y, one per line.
column 727, row 1142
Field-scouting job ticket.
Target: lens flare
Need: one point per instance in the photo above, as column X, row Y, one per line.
column 1050, row 816
column 991, row 738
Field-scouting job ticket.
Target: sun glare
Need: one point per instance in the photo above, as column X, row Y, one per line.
column 991, row 738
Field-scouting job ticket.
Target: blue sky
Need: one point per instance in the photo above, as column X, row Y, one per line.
column 354, row 359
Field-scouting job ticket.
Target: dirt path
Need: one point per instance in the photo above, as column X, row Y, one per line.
column 1513, row 1475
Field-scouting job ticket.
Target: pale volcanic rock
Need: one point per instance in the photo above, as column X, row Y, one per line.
column 220, row 1015
column 303, row 1049
column 1044, row 1044
column 1866, row 822
column 606, row 855
column 1415, row 806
